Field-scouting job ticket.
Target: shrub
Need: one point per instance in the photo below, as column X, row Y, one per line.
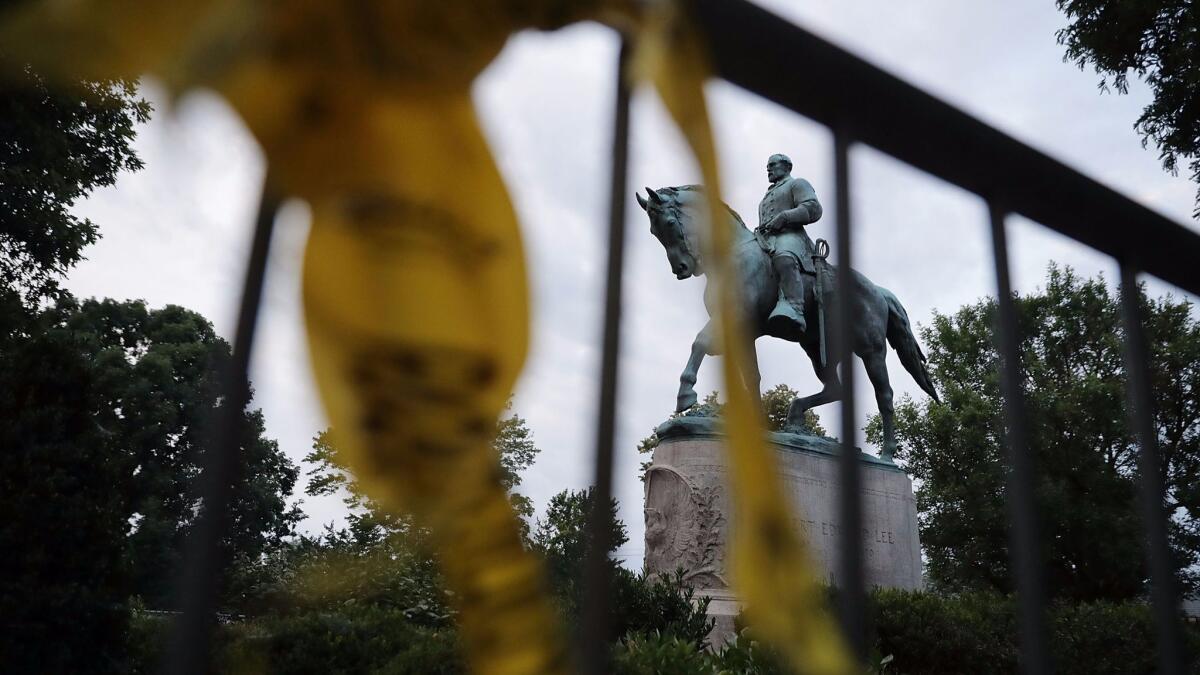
column 927, row 633
column 356, row 639
column 664, row 605
column 1108, row 637
column 977, row 633
column 660, row 654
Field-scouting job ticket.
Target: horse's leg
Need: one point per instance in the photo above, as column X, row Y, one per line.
column 751, row 376
column 687, row 380
column 876, row 365
column 830, row 392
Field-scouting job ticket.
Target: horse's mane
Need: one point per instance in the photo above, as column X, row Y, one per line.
column 673, row 192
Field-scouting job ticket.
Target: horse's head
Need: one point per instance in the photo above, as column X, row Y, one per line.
column 674, row 228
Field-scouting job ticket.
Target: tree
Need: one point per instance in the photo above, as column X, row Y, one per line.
column 777, row 401
column 369, row 523
column 638, row 604
column 563, row 537
column 64, row 576
column 1086, row 458
column 1158, row 41
column 158, row 390
column 56, row 146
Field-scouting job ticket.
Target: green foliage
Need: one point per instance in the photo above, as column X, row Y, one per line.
column 668, row 606
column 63, row 518
column 369, row 523
column 747, row 656
column 977, row 633
column 1124, row 633
column 652, row 653
column 1086, row 458
column 352, row 639
column 659, row 654
column 920, row 633
column 159, row 371
column 927, row 633
column 640, row 604
column 1158, row 41
column 397, row 573
column 563, row 540
column 341, row 603
column 56, row 146
column 517, row 452
column 777, row 401
column 102, row 416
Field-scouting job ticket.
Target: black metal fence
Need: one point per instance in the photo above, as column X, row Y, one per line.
column 860, row 104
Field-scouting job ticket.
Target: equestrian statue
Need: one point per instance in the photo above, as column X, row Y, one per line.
column 785, row 286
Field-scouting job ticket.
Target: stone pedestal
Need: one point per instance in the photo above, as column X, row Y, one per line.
column 688, row 511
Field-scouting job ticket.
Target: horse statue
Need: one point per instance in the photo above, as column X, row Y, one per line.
column 878, row 317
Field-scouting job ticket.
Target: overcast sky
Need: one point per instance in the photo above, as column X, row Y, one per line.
column 177, row 232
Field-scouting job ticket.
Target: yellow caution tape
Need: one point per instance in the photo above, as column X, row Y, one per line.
column 771, row 568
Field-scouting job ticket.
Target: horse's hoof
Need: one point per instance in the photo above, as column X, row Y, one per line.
column 685, row 401
column 887, row 452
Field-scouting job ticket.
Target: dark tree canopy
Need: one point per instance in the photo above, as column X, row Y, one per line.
column 564, row 539
column 1073, row 380
column 103, row 404
column 1159, row 42
column 63, row 519
column 146, row 382
column 159, row 388
column 56, row 146
column 64, row 576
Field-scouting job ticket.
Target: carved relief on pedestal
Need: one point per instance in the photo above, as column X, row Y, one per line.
column 685, row 528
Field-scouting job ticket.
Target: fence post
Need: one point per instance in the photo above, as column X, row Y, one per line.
column 852, row 596
column 1025, row 555
column 593, row 643
column 1163, row 595
column 203, row 564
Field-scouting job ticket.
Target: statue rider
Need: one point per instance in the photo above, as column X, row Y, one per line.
column 789, row 205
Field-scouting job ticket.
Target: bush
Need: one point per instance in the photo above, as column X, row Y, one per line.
column 148, row 636
column 659, row 654
column 927, row 633
column 1109, row 637
column 357, row 639
column 747, row 656
column 665, row 605
column 977, row 633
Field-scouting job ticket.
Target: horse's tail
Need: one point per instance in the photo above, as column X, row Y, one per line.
column 900, row 336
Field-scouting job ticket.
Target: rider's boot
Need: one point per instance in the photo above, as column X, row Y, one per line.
column 787, row 319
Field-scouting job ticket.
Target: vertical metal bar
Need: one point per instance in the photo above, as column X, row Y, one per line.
column 593, row 645
column 1023, row 533
column 204, row 561
column 1163, row 594
column 851, row 592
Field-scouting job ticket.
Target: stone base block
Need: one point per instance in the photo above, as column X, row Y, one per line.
column 688, row 514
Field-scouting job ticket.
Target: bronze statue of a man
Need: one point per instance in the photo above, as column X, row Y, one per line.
column 789, row 205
